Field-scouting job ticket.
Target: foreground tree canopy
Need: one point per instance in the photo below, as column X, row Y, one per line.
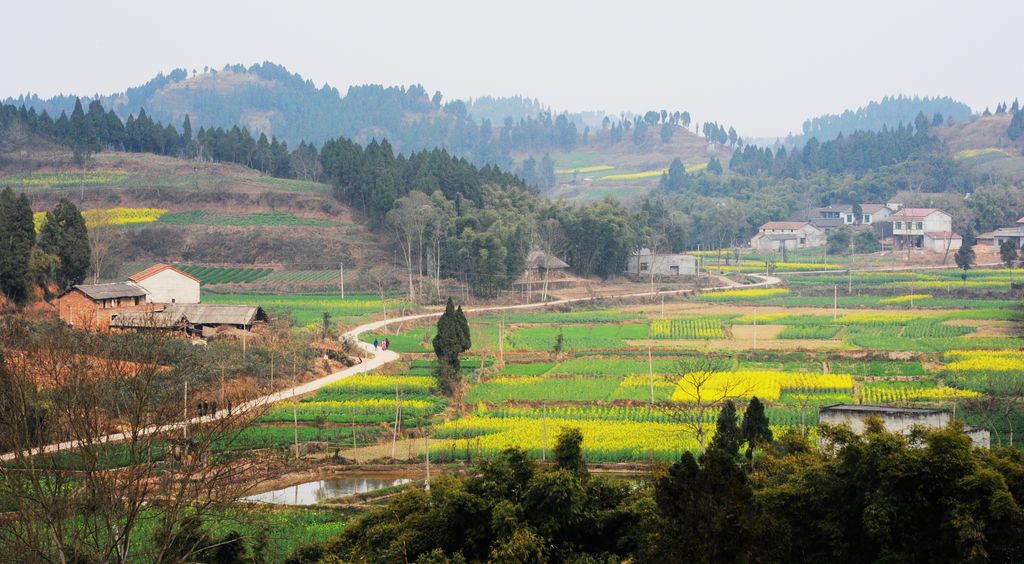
column 878, row 497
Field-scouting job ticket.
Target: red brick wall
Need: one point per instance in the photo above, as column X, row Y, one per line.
column 80, row 311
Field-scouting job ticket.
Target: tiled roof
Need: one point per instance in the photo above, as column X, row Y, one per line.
column 204, row 314
column 111, row 290
column 942, row 235
column 157, row 268
column 872, row 208
column 915, row 213
column 878, row 409
column 784, row 225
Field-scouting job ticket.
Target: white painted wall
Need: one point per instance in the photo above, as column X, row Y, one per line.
column 169, row 286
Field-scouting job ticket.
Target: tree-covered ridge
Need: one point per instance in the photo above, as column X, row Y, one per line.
column 268, row 99
column 890, row 112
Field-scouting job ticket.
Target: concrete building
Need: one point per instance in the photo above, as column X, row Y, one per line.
column 1015, row 235
column 168, row 285
column 895, row 419
column 776, row 235
column 93, row 306
column 941, row 242
column 669, row 264
column 909, row 225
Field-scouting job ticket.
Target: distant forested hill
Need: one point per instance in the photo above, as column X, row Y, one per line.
column 890, row 112
column 267, row 98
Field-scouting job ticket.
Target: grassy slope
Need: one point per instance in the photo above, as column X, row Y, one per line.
column 626, row 161
column 982, row 145
column 226, row 198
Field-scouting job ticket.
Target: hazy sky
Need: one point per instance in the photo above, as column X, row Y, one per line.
column 761, row 66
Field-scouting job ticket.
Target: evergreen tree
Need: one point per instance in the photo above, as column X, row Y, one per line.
column 727, row 431
column 63, row 235
column 1016, row 127
column 964, row 259
column 1008, row 253
column 666, row 132
column 714, row 167
column 547, row 171
column 568, row 453
column 451, row 340
column 755, row 429
column 17, row 237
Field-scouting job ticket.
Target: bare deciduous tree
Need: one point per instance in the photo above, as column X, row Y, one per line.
column 702, row 386
column 102, row 236
column 117, row 456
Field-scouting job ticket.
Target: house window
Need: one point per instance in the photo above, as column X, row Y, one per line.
column 919, row 225
column 899, row 225
column 849, row 218
column 643, row 266
column 867, row 218
column 803, row 241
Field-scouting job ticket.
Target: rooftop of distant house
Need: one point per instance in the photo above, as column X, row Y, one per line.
column 916, row 213
column 156, row 269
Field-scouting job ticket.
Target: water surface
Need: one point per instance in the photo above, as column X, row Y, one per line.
column 311, row 493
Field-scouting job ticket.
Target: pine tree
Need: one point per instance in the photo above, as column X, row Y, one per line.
column 727, row 431
column 63, row 235
column 714, row 167
column 17, row 237
column 755, row 429
column 1016, row 127
column 451, row 340
column 964, row 259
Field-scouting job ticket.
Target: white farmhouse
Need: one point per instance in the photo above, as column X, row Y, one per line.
column 776, row 235
column 909, row 225
column 642, row 263
column 941, row 241
column 168, row 285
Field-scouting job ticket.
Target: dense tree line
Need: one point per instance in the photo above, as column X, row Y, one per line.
column 926, row 497
column 58, row 258
column 857, row 153
column 888, row 113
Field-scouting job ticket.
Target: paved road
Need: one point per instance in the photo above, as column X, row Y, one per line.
column 375, row 359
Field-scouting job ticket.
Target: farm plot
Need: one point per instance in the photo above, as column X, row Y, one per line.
column 688, row 328
column 365, row 399
column 219, row 275
column 576, row 337
column 268, row 219
column 309, row 308
column 996, row 372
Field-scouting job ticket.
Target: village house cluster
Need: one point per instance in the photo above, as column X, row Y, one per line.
column 160, row 298
column 902, row 227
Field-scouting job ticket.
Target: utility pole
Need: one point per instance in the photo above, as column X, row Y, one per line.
column 835, row 302
column 185, row 434
column 341, row 271
column 650, row 371
column 755, row 328
column 427, row 437
column 544, row 434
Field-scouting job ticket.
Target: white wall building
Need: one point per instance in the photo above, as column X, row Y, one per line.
column 168, row 285
column 895, row 419
column 942, row 241
column 776, row 235
column 910, row 224
column 643, row 262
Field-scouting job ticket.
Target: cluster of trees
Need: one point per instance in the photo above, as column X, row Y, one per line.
column 926, row 497
column 60, row 256
column 888, row 113
column 714, row 133
column 856, row 153
column 1016, row 128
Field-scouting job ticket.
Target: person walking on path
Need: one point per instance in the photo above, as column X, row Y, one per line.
column 375, row 343
column 387, row 343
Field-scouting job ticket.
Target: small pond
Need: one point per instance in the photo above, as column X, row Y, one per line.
column 311, row 493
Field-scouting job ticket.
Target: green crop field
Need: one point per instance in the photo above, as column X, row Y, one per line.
column 218, row 275
column 269, row 219
column 309, row 308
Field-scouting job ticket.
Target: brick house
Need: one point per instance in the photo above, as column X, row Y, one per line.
column 93, row 306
